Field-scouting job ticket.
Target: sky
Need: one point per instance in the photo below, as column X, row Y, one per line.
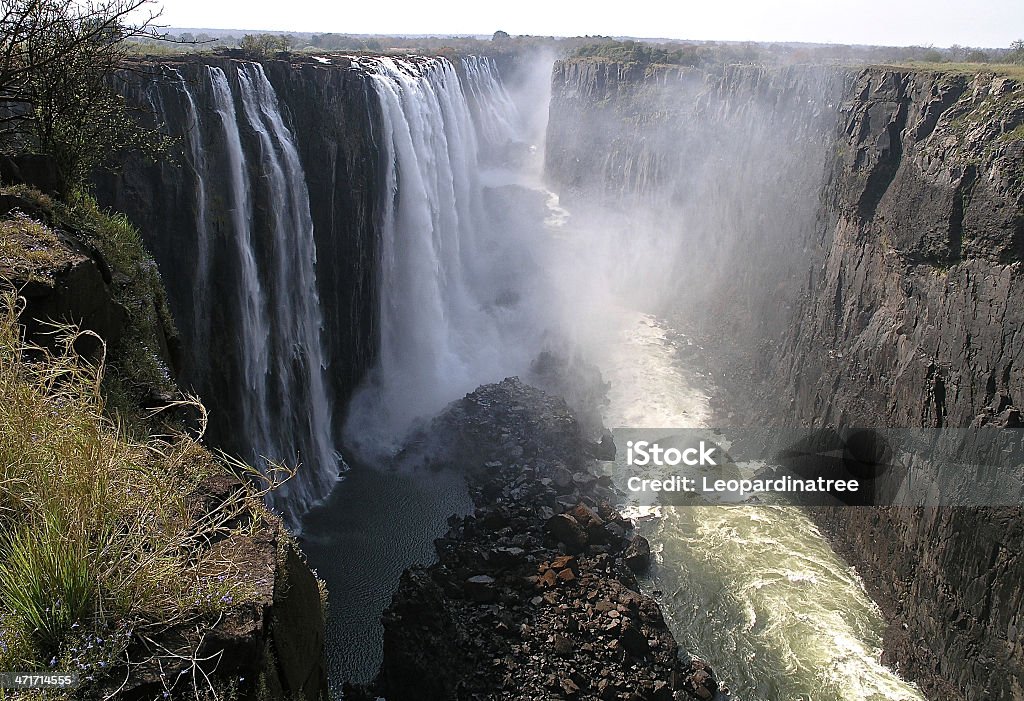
column 941, row 23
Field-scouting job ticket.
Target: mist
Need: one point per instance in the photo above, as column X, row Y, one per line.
column 685, row 206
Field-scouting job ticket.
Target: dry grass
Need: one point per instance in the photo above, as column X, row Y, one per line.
column 101, row 535
column 30, row 250
column 1009, row 70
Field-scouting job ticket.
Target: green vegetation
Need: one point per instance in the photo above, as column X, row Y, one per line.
column 135, row 365
column 57, row 63
column 1016, row 52
column 264, row 45
column 100, row 536
column 642, row 53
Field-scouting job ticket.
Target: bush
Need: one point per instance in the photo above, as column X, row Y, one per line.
column 263, row 45
column 637, row 52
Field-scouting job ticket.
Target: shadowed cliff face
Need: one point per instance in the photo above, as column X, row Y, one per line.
column 909, row 319
column 889, row 303
column 262, row 220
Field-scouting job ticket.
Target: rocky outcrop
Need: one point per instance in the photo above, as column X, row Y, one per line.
column 267, row 645
column 533, row 596
column 61, row 279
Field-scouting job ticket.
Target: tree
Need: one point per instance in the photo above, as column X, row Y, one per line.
column 59, row 61
column 500, row 36
column 262, row 45
column 1016, row 54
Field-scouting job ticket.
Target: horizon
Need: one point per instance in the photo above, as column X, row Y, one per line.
column 993, row 24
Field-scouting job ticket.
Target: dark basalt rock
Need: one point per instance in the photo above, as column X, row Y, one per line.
column 531, row 597
column 638, row 554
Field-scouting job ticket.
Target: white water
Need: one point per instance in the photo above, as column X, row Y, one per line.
column 197, row 149
column 304, row 430
column 252, row 301
column 285, row 408
column 754, row 589
column 452, row 309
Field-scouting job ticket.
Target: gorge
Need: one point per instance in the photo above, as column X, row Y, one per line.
column 349, row 244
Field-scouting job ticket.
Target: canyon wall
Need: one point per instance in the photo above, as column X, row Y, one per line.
column 908, row 319
column 889, row 303
column 262, row 214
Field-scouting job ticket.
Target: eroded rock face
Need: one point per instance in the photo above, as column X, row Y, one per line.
column 61, row 280
column 532, row 597
column 898, row 307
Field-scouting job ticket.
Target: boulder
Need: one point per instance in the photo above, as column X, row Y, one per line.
column 481, row 589
column 565, row 529
column 638, row 554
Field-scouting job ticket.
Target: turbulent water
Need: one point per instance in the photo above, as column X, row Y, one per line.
column 754, row 589
column 452, row 314
column 244, row 158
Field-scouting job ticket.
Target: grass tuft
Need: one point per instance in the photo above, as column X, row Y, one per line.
column 102, row 533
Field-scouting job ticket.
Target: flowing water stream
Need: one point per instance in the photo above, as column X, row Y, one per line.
column 755, row 589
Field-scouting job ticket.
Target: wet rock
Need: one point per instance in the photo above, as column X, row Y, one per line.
column 638, row 554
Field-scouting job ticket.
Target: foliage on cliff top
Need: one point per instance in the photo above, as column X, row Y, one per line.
column 136, row 365
column 1008, row 70
column 102, row 536
column 58, row 59
column 642, row 53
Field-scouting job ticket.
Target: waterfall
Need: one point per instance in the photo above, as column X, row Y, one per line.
column 451, row 285
column 197, row 150
column 498, row 122
column 254, row 236
column 303, row 426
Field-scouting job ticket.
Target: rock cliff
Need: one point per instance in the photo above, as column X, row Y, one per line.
column 908, row 319
column 332, row 112
column 892, row 304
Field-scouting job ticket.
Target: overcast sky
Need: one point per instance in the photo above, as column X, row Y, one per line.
column 986, row 23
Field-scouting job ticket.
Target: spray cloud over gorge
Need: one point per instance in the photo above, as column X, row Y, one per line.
column 484, row 267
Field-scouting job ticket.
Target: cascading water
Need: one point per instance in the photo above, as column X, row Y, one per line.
column 303, row 427
column 496, row 117
column 452, row 309
column 261, row 230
